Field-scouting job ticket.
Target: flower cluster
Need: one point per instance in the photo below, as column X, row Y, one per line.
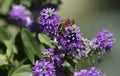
column 93, row 71
column 85, row 47
column 103, row 42
column 20, row 14
column 47, row 53
column 44, row 68
column 72, row 38
column 49, row 20
column 50, row 64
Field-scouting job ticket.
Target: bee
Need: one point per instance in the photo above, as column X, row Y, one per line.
column 63, row 24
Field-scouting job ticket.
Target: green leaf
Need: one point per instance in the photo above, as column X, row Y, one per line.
column 54, row 2
column 13, row 30
column 11, row 48
column 82, row 64
column 26, row 2
column 71, row 62
column 45, row 40
column 4, row 35
column 24, row 70
column 5, row 6
column 3, row 60
column 31, row 47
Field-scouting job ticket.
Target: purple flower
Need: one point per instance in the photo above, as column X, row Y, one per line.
column 58, row 60
column 84, row 48
column 48, row 52
column 60, row 71
column 105, row 40
column 81, row 73
column 93, row 71
column 44, row 68
column 35, row 28
column 55, row 59
column 48, row 55
column 93, row 44
column 20, row 14
column 49, row 20
column 72, row 38
column 79, row 53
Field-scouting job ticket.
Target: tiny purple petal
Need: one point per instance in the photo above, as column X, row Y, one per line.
column 93, row 71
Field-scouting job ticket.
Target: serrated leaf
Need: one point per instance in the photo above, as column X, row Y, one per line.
column 24, row 70
column 31, row 47
column 45, row 40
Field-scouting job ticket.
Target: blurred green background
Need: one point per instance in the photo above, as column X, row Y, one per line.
column 92, row 16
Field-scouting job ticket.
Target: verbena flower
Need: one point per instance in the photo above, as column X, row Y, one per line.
column 72, row 38
column 20, row 14
column 79, row 53
column 49, row 55
column 84, row 48
column 60, row 71
column 93, row 44
column 49, row 20
column 44, row 68
column 105, row 40
column 58, row 60
column 93, row 71
column 48, row 52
